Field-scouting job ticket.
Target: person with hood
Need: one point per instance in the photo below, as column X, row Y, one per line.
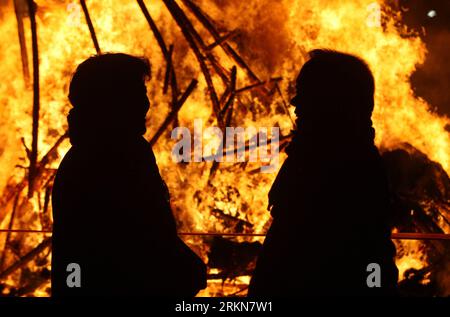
column 111, row 209
column 330, row 199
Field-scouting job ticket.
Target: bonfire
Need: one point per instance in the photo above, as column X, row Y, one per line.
column 228, row 63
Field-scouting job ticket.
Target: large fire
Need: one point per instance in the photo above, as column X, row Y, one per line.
column 271, row 36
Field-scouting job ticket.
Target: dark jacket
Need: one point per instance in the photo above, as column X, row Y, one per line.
column 330, row 208
column 112, row 216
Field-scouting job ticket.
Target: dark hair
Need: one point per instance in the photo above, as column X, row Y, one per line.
column 342, row 84
column 108, row 97
column 101, row 78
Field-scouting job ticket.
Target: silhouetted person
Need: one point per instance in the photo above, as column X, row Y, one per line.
column 110, row 205
column 330, row 200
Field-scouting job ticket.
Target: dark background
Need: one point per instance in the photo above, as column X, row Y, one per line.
column 431, row 81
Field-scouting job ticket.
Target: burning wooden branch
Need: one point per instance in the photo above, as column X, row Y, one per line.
column 250, row 146
column 169, row 69
column 16, row 191
column 11, row 190
column 187, row 30
column 26, row 258
column 167, row 53
column 206, row 22
column 225, row 115
column 257, row 85
column 19, row 8
column 10, row 226
column 195, row 39
column 174, row 112
column 227, row 110
column 90, row 26
column 221, row 40
column 36, row 106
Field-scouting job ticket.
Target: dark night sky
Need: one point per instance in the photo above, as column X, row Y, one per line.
column 432, row 80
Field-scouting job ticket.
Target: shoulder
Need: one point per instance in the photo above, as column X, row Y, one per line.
column 82, row 168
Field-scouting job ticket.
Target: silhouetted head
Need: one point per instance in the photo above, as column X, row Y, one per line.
column 335, row 95
column 109, row 98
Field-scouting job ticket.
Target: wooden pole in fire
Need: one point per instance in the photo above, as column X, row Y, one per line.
column 166, row 53
column 10, row 226
column 35, row 127
column 207, row 22
column 181, row 20
column 226, row 113
column 201, row 16
column 27, row 258
column 10, row 194
column 90, row 26
column 172, row 115
column 19, row 8
column 187, row 26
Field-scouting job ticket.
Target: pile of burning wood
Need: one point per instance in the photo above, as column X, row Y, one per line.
column 421, row 186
